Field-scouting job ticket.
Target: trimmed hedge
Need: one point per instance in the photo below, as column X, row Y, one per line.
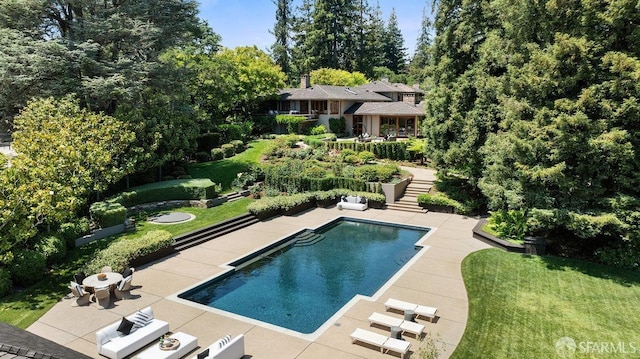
column 238, row 146
column 108, row 214
column 228, row 150
column 182, row 189
column 439, row 199
column 120, row 253
column 284, row 203
column 390, row 150
column 217, row 154
column 28, row 267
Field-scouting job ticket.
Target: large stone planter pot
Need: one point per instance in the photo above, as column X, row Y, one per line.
column 269, row 214
column 325, row 203
column 299, row 208
column 159, row 254
column 376, row 204
column 535, row 246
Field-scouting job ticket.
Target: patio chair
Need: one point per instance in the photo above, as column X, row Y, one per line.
column 128, row 271
column 103, row 297
column 123, row 289
column 420, row 310
column 385, row 344
column 405, row 325
column 81, row 297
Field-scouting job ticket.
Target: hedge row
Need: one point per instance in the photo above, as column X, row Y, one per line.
column 198, row 188
column 107, row 214
column 439, row 199
column 120, row 253
column 284, row 203
column 391, row 150
column 303, row 184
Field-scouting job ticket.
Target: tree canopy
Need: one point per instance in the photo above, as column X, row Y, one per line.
column 535, row 103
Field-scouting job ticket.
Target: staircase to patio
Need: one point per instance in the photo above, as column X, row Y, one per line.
column 409, row 201
column 203, row 235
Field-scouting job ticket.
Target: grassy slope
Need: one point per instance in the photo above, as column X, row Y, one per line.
column 224, row 171
column 519, row 306
column 25, row 307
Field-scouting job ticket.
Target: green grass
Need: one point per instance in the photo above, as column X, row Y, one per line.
column 23, row 308
column 225, row 171
column 520, row 306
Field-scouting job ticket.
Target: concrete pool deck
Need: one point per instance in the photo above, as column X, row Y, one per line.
column 434, row 279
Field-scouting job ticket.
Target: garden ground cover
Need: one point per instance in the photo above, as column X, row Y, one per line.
column 520, row 306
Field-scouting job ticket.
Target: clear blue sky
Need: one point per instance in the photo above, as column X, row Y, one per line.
column 247, row 22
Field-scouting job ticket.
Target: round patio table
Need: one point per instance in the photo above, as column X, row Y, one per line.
column 93, row 281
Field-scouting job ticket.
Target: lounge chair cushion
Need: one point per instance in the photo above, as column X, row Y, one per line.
column 125, row 326
column 78, row 288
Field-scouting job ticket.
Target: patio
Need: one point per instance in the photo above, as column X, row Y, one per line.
column 434, row 280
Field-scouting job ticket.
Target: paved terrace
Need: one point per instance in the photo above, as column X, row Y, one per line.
column 434, row 279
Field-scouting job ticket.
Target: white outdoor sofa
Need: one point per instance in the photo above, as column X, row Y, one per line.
column 112, row 344
column 225, row 348
column 353, row 202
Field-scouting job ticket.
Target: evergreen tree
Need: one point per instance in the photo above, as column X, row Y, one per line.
column 394, row 50
column 372, row 32
column 280, row 50
column 422, row 56
column 300, row 52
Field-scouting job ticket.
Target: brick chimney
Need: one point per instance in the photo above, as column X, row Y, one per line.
column 305, row 81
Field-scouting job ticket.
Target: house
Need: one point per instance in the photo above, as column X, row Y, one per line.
column 378, row 108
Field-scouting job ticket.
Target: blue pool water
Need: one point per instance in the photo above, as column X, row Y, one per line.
column 302, row 284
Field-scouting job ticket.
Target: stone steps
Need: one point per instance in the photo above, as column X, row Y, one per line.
column 206, row 234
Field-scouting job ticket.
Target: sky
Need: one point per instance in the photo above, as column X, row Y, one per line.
column 247, row 22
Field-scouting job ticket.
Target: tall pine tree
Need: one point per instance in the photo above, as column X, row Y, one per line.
column 394, row 51
column 422, row 55
column 280, row 50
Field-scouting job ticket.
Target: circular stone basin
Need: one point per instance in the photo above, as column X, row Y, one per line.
column 171, row 218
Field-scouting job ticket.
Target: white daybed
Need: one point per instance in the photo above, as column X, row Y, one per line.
column 225, row 348
column 353, row 202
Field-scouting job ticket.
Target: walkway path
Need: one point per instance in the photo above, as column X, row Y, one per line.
column 434, row 279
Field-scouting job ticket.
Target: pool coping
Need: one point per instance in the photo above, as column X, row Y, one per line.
column 285, row 241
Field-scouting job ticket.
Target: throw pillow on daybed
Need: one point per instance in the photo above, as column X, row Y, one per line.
column 141, row 319
column 125, row 326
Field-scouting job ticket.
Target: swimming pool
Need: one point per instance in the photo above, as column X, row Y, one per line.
column 301, row 281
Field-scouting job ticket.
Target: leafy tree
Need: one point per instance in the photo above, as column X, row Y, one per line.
column 335, row 77
column 422, row 57
column 65, row 153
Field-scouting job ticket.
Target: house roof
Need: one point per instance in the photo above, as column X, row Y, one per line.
column 16, row 343
column 382, row 108
column 327, row 92
column 386, row 86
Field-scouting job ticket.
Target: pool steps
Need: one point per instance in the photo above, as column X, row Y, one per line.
column 202, row 235
column 307, row 238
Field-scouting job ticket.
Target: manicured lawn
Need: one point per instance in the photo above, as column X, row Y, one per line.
column 25, row 307
column 520, row 306
column 225, row 171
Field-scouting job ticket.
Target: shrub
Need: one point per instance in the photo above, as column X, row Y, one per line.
column 351, row 159
column 108, row 214
column 279, row 203
column 203, row 156
column 198, row 188
column 243, row 179
column 291, row 121
column 53, row 248
column 208, row 140
column 288, row 141
column 217, row 154
column 376, row 173
column 70, row 231
column 338, row 125
column 28, row 267
column 232, row 132
column 318, row 130
column 255, row 191
column 228, row 150
column 347, row 152
column 238, row 146
column 120, row 253
column 366, row 156
column 511, row 224
column 5, row 282
column 440, row 199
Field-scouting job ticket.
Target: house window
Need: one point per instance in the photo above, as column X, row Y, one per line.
column 318, row 106
column 283, row 106
column 388, row 126
column 334, row 107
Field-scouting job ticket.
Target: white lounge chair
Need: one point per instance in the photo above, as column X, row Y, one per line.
column 387, row 321
column 420, row 310
column 386, row 344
